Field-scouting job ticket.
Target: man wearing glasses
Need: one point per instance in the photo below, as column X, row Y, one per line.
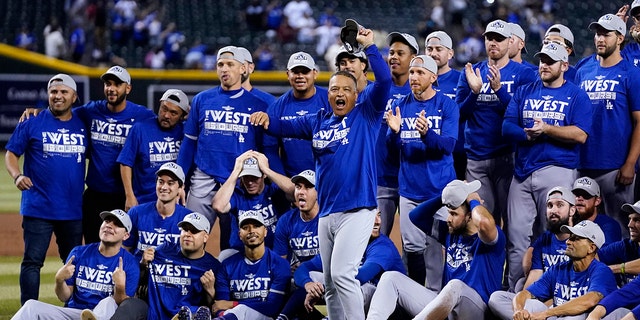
column 576, row 286
column 587, row 192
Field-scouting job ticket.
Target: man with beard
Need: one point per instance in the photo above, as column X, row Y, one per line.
column 247, row 191
column 246, row 78
column 547, row 120
column 402, row 48
column 252, row 283
column 475, row 258
column 110, row 123
column 51, row 181
column 548, row 249
column 305, row 97
column 612, row 86
column 424, row 129
column 575, row 286
column 150, row 144
column 587, row 192
column 156, row 222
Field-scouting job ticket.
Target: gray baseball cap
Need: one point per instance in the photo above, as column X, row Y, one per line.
column 344, row 53
column 635, row 6
column 174, row 169
column 455, row 193
column 197, row 220
column 610, row 22
column 562, row 31
column 426, row 62
column 562, row 193
column 250, row 168
column 122, row 216
column 554, row 51
column 631, row 208
column 443, row 39
column 588, row 185
column 403, row 37
column 248, row 216
column 517, row 30
column 119, row 73
column 63, row 79
column 178, row 97
column 231, row 52
column 301, row 59
column 246, row 54
column 500, row 27
column 308, row 175
column 586, row 229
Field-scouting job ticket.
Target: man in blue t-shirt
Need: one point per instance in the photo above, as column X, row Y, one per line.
column 562, row 36
column 247, row 191
column 347, row 192
column 587, row 192
column 475, row 257
column 246, row 78
column 612, row 84
column 156, row 222
column 547, row 120
column 96, row 276
column 575, row 286
column 518, row 46
column 150, row 144
column 623, row 257
column 54, row 146
column 252, row 283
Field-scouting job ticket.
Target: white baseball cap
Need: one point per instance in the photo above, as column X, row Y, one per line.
column 231, row 52
column 119, row 73
column 122, row 216
column 308, row 175
column 610, row 22
column 174, row 169
column 63, row 79
column 631, row 208
column 443, row 37
column 426, row 62
column 301, row 59
column 250, row 168
column 455, row 193
column 562, row 193
column 586, row 229
column 197, row 220
column 554, row 51
column 403, row 37
column 500, row 27
column 178, row 97
column 248, row 216
column 635, row 6
column 517, row 30
column 588, row 185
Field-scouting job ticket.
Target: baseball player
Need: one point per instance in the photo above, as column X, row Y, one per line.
column 97, row 273
column 587, row 192
column 475, row 256
column 439, row 46
column 181, row 276
column 156, row 222
column 150, row 144
column 304, row 97
column 623, row 256
column 253, row 195
column 547, row 122
column 109, row 122
column 402, row 48
column 616, row 102
column 483, row 95
column 296, row 235
column 252, row 283
column 562, row 36
column 631, row 50
column 218, row 131
column 424, row 128
column 617, row 304
column 575, row 286
column 518, row 46
column 347, row 194
column 51, row 181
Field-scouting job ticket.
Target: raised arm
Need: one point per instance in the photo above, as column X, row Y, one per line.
column 280, row 180
column 221, row 202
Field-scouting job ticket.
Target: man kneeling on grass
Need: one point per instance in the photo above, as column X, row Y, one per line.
column 92, row 272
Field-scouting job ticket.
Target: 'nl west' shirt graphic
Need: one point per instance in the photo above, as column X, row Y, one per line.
column 296, row 238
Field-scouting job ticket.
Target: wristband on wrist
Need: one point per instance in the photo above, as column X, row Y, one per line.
column 474, row 203
column 622, row 268
column 16, row 178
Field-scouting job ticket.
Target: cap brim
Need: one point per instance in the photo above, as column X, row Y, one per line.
column 474, row 185
column 299, row 65
column 629, row 208
column 296, row 179
column 181, row 223
column 111, row 76
column 498, row 33
column 253, row 173
column 243, row 222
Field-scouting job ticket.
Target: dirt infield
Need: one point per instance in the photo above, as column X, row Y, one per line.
column 12, row 244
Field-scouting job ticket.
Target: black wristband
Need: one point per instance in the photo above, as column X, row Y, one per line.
column 16, row 178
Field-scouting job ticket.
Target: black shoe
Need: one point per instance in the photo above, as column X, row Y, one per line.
column 348, row 35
